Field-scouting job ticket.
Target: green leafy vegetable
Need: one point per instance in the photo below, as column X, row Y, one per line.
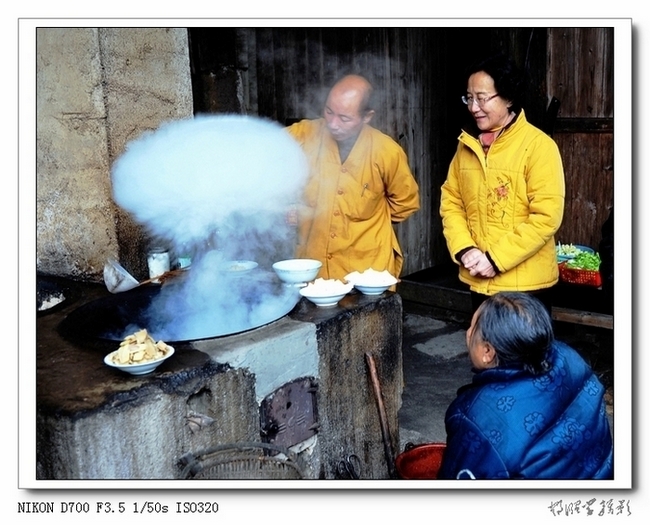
column 567, row 250
column 585, row 261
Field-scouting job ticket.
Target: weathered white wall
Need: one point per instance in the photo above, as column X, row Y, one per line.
column 98, row 89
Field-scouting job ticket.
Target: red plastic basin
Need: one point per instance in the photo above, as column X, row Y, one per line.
column 420, row 461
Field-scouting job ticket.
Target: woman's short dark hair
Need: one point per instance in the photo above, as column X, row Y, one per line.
column 518, row 327
column 508, row 79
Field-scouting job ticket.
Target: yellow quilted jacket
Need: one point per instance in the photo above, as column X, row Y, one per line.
column 509, row 203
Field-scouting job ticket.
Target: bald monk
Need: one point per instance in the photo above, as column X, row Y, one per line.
column 360, row 184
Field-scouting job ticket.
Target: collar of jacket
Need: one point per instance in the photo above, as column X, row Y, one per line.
column 472, row 129
column 506, row 373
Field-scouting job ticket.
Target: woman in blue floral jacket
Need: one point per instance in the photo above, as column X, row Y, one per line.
column 534, row 409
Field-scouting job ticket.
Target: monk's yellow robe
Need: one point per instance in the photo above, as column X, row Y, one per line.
column 346, row 218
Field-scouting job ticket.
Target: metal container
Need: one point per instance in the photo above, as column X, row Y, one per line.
column 183, row 262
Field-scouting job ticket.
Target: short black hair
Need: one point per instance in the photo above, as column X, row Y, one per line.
column 508, row 79
column 519, row 328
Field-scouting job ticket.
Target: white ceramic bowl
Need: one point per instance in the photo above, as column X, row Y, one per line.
column 326, row 293
column 237, row 267
column 139, row 369
column 372, row 290
column 297, row 271
column 371, row 282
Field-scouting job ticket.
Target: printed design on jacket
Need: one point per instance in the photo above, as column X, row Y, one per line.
column 597, row 457
column 495, row 437
column 471, row 442
column 505, row 403
column 570, row 434
column 498, row 199
column 554, row 378
column 534, row 423
column 592, row 388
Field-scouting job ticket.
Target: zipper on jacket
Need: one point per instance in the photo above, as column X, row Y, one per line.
column 471, row 142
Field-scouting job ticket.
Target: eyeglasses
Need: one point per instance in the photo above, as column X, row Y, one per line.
column 469, row 101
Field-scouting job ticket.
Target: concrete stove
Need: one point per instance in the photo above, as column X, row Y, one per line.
column 94, row 422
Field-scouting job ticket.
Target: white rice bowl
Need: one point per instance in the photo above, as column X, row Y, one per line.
column 326, row 292
column 371, row 282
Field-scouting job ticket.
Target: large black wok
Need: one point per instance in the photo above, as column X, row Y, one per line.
column 166, row 315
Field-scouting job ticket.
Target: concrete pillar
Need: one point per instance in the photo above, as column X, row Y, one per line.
column 97, row 89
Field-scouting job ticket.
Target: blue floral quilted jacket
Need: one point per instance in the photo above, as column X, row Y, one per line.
column 509, row 424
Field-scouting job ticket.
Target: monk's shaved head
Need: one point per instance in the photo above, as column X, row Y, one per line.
column 347, row 108
column 354, row 87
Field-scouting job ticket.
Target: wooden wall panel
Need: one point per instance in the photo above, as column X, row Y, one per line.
column 587, row 159
column 285, row 73
column 293, row 69
column 580, row 75
column 580, row 71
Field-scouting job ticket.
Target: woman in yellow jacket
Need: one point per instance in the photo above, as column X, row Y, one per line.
column 503, row 199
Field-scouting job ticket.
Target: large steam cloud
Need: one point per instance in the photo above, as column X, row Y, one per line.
column 217, row 188
column 190, row 177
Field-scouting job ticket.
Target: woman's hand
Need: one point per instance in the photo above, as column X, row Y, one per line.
column 477, row 263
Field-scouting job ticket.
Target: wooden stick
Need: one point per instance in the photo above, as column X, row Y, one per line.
column 388, row 448
column 161, row 277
